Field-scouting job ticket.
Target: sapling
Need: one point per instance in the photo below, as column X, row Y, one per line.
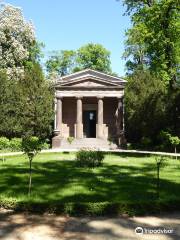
column 160, row 163
column 31, row 146
column 175, row 141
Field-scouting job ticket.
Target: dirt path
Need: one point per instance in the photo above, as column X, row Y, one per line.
column 51, row 227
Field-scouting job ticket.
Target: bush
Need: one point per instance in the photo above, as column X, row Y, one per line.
column 4, row 143
column 70, row 139
column 45, row 146
column 89, row 158
column 15, row 144
column 145, row 143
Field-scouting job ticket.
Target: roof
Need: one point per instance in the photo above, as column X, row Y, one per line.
column 91, row 74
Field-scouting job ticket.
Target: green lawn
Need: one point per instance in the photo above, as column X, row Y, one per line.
column 122, row 178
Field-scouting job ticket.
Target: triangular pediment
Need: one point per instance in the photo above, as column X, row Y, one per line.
column 90, row 78
column 88, row 82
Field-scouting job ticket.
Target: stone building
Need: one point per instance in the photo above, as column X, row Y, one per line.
column 89, row 110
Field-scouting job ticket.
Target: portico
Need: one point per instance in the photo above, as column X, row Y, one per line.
column 89, row 104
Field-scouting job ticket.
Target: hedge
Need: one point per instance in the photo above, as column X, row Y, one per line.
column 92, row 208
column 15, row 144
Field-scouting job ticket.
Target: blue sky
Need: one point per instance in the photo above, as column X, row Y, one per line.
column 69, row 24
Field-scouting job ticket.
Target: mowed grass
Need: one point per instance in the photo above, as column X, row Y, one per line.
column 56, row 178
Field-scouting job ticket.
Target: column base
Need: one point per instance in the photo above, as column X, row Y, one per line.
column 56, row 132
column 56, row 142
column 100, row 131
column 79, row 130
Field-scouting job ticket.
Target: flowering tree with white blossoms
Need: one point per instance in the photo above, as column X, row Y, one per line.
column 16, row 38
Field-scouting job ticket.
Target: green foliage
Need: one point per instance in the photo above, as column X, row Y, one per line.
column 161, row 162
column 153, row 41
column 61, row 62
column 94, row 56
column 70, row 139
column 15, row 144
column 31, row 146
column 89, row 158
column 10, row 107
column 26, row 105
column 145, row 143
column 91, row 55
column 145, row 109
column 45, row 146
column 175, row 141
column 167, row 138
column 4, row 143
column 36, row 103
column 26, row 100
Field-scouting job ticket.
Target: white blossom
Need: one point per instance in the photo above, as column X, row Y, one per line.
column 16, row 36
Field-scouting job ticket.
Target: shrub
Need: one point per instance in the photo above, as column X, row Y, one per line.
column 145, row 143
column 4, row 143
column 31, row 146
column 70, row 139
column 89, row 158
column 45, row 146
column 15, row 144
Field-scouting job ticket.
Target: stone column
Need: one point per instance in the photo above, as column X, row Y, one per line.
column 120, row 122
column 119, row 115
column 58, row 127
column 56, row 140
column 100, row 118
column 79, row 124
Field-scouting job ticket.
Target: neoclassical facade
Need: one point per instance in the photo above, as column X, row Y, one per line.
column 88, row 105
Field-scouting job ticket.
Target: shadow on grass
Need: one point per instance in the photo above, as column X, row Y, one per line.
column 62, row 181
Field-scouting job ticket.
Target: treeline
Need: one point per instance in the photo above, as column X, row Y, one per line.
column 152, row 54
column 26, row 97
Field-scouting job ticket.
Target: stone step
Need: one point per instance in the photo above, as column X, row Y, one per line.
column 87, row 143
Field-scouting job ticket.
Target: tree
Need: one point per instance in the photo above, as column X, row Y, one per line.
column 175, row 141
column 36, row 102
column 160, row 163
column 16, row 39
column 62, row 62
column 153, row 40
column 10, row 107
column 26, row 105
column 94, row 56
column 31, row 146
column 145, row 114
column 26, row 98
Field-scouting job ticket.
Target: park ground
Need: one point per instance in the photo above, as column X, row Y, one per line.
column 126, row 183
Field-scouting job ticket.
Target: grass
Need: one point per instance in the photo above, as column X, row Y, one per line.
column 123, row 178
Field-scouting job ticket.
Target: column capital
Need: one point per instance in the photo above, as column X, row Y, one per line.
column 120, row 98
column 100, row 97
column 79, row 97
column 59, row 97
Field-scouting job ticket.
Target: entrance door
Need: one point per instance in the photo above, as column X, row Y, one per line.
column 89, row 124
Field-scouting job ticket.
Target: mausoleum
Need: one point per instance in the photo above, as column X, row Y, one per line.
column 89, row 110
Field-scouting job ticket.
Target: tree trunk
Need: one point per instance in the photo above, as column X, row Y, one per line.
column 175, row 151
column 158, row 168
column 30, row 177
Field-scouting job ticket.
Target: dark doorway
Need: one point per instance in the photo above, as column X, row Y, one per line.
column 89, row 124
